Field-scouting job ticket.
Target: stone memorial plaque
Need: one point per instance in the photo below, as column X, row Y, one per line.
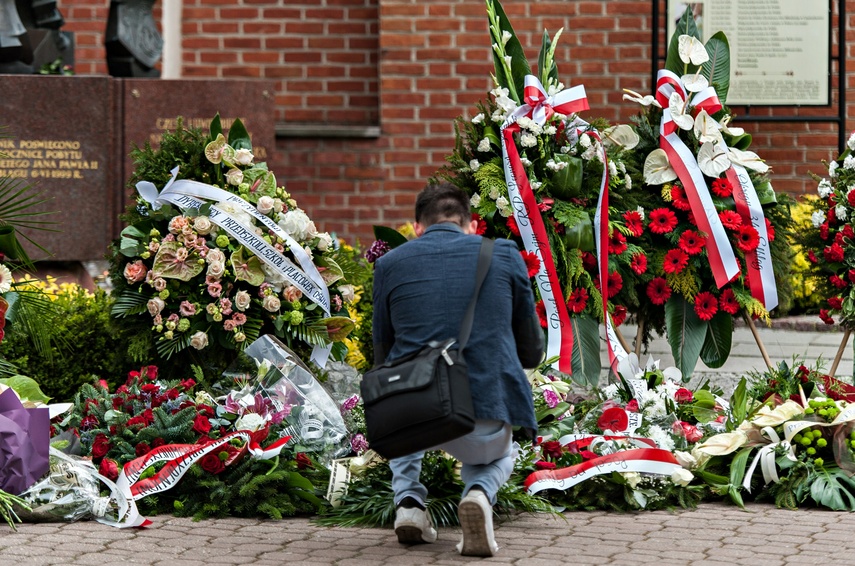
column 151, row 107
column 61, row 138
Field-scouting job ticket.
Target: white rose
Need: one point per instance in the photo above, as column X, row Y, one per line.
column 347, row 293
column 296, row 223
column 632, row 478
column 686, row 459
column 502, row 202
column 682, row 477
column 324, row 241
column 215, row 256
column 155, row 306
column 242, row 300
column 199, row 340
column 475, row 201
column 243, row 157
column 271, row 303
column 234, row 177
column 273, row 276
column 203, row 225
column 251, row 422
column 236, row 212
column 265, row 204
column 216, row 269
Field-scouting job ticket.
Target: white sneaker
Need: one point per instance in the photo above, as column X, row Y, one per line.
column 476, row 520
column 412, row 526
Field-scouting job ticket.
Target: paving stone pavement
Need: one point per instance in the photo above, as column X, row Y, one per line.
column 714, row 534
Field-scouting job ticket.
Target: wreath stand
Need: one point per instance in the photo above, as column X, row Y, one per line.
column 840, row 350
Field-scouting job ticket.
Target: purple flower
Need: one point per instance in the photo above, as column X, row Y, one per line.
column 551, row 398
column 358, row 443
column 349, row 404
column 377, row 250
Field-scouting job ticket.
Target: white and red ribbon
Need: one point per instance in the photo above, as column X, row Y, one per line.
column 719, row 251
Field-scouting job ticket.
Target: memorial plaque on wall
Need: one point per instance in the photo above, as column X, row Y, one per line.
column 151, row 107
column 779, row 49
column 60, row 137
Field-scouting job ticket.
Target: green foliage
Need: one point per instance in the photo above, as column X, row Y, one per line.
column 718, row 341
column 586, row 350
column 686, row 334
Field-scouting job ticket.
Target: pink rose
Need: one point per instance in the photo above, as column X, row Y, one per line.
column 683, row 395
column 292, row 293
column 135, row 272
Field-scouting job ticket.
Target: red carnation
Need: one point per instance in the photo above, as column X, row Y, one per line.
column 619, row 315
column 633, row 222
column 481, row 227
column 578, row 300
column 823, row 231
column 722, row 188
column 662, row 221
column 706, row 305
column 658, row 291
column 730, row 219
column 212, row 463
column 157, row 442
column 638, row 264
column 678, row 198
column 100, row 446
column 613, row 419
column 532, row 263
column 201, row 425
column 109, row 469
column 727, row 302
column 142, row 449
column 747, row 238
column 675, row 261
column 544, row 465
column 826, row 318
column 835, row 303
column 851, row 198
column 691, row 242
column 617, row 243
column 540, row 309
column 837, row 281
column 512, row 226
column 833, row 253
column 683, row 395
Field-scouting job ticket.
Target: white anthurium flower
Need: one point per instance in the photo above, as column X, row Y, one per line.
column 779, row 415
column 706, row 129
column 734, row 131
column 747, row 159
column 645, row 100
column 695, row 83
column 622, row 135
column 712, row 160
column 678, row 108
column 657, row 169
column 691, row 50
column 724, row 443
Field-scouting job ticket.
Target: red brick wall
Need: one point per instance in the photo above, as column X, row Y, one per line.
column 410, row 67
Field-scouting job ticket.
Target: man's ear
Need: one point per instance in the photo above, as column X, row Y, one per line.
column 418, row 229
column 473, row 227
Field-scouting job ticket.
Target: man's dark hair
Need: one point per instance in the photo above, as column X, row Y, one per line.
column 442, row 203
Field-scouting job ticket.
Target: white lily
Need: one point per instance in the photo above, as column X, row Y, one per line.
column 692, row 50
column 712, row 160
column 621, row 135
column 678, row 108
column 645, row 100
column 696, row 82
column 657, row 169
column 747, row 159
column 706, row 129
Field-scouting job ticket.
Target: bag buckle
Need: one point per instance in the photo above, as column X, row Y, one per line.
column 444, row 352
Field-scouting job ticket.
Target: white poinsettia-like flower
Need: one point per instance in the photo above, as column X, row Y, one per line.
column 706, row 129
column 5, row 279
column 713, row 160
column 645, row 100
column 691, row 50
column 679, row 114
column 657, row 169
column 622, row 135
column 747, row 159
column 695, row 82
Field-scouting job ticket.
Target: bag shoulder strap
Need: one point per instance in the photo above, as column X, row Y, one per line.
column 485, row 256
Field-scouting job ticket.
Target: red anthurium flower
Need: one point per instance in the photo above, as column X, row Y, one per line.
column 658, row 291
column 675, row 261
column 633, row 222
column 747, row 238
column 617, row 243
column 678, row 198
column 613, row 419
column 532, row 263
column 835, row 303
column 662, row 221
column 727, row 302
column 730, row 219
column 706, row 305
column 722, row 188
column 578, row 300
column 512, row 226
column 638, row 264
column 833, row 253
column 691, row 242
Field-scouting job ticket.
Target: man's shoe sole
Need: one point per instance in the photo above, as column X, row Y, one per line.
column 409, row 535
column 476, row 539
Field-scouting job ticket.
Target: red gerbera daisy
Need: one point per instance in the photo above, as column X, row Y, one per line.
column 678, row 198
column 532, row 263
column 578, row 300
column 615, row 284
column 691, row 242
column 770, row 230
column 638, row 264
column 633, row 222
column 658, row 291
column 706, row 305
column 617, row 243
column 835, row 302
column 540, row 308
column 589, row 261
column 722, row 188
column 730, row 219
column 675, row 261
column 512, row 226
column 747, row 238
column 619, row 315
column 833, row 253
column 727, row 301
column 662, row 221
column 482, row 224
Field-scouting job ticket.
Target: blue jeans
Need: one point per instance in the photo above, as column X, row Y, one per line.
column 486, row 455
